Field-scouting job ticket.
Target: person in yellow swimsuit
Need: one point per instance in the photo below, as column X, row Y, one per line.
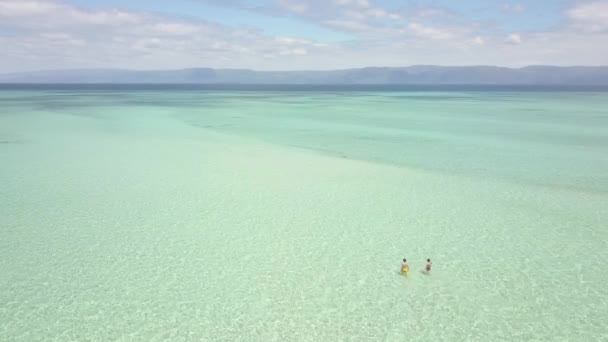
column 405, row 267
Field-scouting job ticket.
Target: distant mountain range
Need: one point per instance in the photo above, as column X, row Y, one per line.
column 419, row 75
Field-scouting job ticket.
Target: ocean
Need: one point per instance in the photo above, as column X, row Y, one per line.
column 282, row 213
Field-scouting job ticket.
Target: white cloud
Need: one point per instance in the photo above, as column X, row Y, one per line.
column 54, row 34
column 46, row 13
column 590, row 17
column 59, row 39
column 377, row 13
column 293, row 52
column 514, row 38
column 367, row 20
column 174, row 28
column 50, row 34
column 352, row 3
column 348, row 25
column 513, row 7
column 292, row 41
column 14, row 8
column 334, row 11
column 293, row 6
column 426, row 12
column 108, row 17
column 429, row 32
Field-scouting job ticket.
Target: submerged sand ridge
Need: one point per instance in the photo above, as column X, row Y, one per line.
column 133, row 225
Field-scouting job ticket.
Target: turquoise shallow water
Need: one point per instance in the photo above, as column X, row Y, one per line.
column 265, row 215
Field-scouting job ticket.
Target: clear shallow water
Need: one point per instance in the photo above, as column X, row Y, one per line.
column 264, row 215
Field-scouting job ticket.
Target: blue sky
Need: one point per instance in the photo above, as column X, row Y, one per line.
column 229, row 15
column 517, row 16
column 299, row 34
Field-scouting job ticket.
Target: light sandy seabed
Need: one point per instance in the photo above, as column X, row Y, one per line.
column 134, row 225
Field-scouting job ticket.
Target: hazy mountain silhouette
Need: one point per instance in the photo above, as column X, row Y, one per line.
column 479, row 75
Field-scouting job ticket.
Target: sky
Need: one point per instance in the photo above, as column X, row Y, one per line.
column 299, row 34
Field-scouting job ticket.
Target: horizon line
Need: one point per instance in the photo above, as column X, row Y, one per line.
column 315, row 70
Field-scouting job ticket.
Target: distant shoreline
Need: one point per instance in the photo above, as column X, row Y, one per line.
column 303, row 87
column 414, row 75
